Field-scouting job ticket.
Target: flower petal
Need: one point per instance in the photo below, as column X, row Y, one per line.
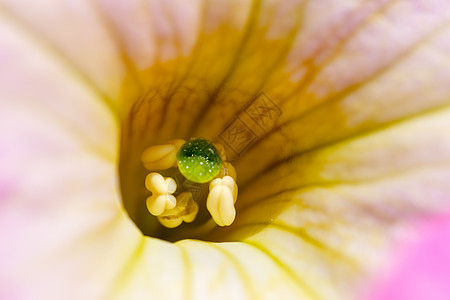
column 59, row 206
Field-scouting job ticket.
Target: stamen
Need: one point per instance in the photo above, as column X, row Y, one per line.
column 161, row 157
column 221, row 199
column 162, row 190
column 199, row 161
column 186, row 210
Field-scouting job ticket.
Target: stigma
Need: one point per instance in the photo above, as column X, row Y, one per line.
column 199, row 161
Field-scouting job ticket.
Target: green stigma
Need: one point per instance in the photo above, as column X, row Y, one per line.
column 198, row 160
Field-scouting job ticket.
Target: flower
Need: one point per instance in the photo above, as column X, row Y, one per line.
column 346, row 109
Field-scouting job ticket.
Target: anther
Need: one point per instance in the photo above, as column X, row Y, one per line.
column 162, row 190
column 186, row 210
column 221, row 199
column 161, row 157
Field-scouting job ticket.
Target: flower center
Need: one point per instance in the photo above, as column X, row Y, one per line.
column 190, row 186
column 177, row 147
column 196, row 161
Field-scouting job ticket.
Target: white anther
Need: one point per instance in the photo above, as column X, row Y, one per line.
column 221, row 199
column 162, row 190
column 186, row 210
column 161, row 157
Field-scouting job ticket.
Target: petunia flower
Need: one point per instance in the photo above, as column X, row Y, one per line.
column 335, row 115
